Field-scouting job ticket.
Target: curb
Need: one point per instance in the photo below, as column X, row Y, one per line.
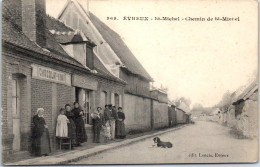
column 87, row 153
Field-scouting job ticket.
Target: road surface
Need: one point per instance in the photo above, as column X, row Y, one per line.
column 201, row 142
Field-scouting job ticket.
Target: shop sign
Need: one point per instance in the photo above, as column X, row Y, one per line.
column 84, row 82
column 51, row 75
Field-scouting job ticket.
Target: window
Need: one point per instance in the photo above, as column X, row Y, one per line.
column 15, row 97
column 103, row 99
column 16, row 115
column 117, row 100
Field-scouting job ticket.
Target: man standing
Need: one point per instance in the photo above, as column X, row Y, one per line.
column 98, row 121
column 113, row 121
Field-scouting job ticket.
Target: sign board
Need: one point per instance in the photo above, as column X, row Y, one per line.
column 84, row 82
column 51, row 75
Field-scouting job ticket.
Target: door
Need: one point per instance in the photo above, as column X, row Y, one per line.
column 16, row 115
column 87, row 107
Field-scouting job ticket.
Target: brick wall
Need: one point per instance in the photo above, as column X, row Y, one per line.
column 108, row 87
column 64, row 96
column 15, row 69
column 48, row 95
column 5, row 73
column 42, row 98
column 51, row 97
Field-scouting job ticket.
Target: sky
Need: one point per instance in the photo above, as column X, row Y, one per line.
column 200, row 60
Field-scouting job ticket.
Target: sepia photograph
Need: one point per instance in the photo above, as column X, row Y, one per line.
column 127, row 82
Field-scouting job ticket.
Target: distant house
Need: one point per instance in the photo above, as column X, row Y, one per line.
column 246, row 110
column 180, row 114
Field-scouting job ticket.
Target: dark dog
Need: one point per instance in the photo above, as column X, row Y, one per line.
column 161, row 143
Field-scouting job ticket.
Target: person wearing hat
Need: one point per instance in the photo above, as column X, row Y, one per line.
column 113, row 121
column 40, row 135
column 107, row 118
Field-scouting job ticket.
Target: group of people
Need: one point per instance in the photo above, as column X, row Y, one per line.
column 70, row 124
column 111, row 121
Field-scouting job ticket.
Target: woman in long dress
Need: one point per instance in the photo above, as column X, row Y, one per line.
column 62, row 127
column 71, row 125
column 79, row 122
column 120, row 125
column 40, row 135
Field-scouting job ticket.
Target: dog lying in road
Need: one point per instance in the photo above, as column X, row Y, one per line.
column 162, row 144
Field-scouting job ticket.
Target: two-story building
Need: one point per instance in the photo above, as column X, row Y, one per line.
column 118, row 59
column 47, row 64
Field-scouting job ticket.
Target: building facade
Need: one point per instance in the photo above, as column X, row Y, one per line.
column 42, row 68
column 245, row 110
column 139, row 106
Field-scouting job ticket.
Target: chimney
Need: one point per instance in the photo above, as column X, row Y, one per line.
column 34, row 20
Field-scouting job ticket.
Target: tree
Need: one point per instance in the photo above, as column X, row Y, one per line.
column 226, row 100
column 183, row 103
column 180, row 100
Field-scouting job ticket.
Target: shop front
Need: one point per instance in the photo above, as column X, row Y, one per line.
column 85, row 94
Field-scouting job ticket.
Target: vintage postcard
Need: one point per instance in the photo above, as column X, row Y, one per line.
column 129, row 82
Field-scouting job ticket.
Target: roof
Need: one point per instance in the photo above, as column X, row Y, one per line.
column 115, row 42
column 54, row 24
column 247, row 92
column 180, row 109
column 12, row 34
column 171, row 103
column 120, row 48
column 64, row 34
column 101, row 69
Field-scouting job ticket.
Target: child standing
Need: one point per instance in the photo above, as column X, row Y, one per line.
column 62, row 127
